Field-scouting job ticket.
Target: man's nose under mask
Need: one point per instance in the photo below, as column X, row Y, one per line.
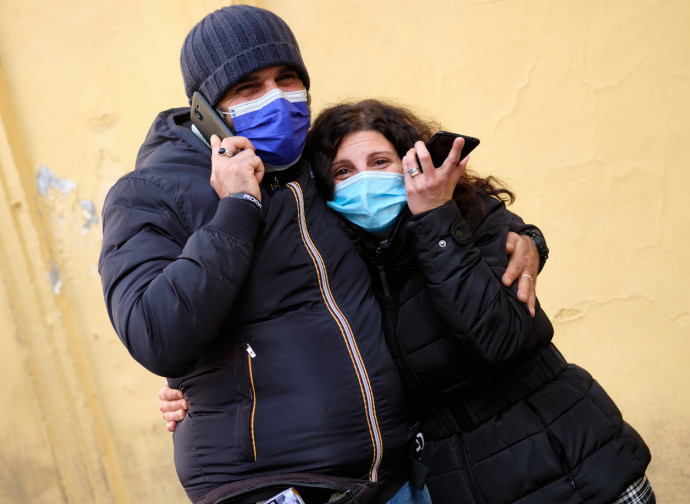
column 276, row 124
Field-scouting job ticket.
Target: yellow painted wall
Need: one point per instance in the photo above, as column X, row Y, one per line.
column 582, row 106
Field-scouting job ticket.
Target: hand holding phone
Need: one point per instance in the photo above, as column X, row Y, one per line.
column 441, row 143
column 207, row 120
column 240, row 175
column 426, row 189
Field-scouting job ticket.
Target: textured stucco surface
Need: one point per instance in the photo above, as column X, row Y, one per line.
column 582, row 107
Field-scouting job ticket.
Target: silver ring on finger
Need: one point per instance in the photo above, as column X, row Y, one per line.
column 526, row 275
column 414, row 172
column 222, row 151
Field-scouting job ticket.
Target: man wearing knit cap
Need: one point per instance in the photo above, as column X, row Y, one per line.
column 245, row 292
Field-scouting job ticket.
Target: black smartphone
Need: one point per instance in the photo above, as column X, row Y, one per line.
column 440, row 144
column 207, row 120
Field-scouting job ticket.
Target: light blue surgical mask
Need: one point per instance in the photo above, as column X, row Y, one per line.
column 276, row 124
column 371, row 200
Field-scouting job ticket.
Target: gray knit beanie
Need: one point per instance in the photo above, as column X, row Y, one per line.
column 233, row 42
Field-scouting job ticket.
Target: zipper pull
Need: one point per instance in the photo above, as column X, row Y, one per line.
column 379, row 255
column 250, row 351
column 275, row 183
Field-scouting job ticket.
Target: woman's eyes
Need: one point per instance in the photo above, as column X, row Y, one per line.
column 341, row 173
column 373, row 165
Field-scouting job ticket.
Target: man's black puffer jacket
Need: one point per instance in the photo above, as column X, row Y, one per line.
column 505, row 418
column 266, row 320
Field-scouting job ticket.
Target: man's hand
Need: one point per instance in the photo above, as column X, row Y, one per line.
column 173, row 406
column 238, row 169
column 523, row 265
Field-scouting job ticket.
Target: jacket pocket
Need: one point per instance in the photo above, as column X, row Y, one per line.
column 221, row 407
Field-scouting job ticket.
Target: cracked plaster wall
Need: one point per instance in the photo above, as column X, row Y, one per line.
column 582, row 108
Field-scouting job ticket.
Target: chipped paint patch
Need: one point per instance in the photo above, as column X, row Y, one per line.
column 47, row 180
column 102, row 123
column 568, row 314
column 55, row 279
column 88, row 210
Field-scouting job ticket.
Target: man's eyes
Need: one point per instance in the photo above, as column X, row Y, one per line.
column 287, row 78
column 253, row 87
column 246, row 88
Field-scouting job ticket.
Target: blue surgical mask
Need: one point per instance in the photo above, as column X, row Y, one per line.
column 371, row 200
column 276, row 124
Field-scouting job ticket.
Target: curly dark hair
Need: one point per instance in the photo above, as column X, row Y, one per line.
column 402, row 128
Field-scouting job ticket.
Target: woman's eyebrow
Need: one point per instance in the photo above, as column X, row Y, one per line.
column 378, row 153
column 339, row 162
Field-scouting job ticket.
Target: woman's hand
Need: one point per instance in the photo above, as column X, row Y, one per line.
column 431, row 186
column 173, row 406
column 238, row 169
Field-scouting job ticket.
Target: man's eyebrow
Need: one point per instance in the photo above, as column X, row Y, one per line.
column 253, row 77
column 287, row 69
column 247, row 78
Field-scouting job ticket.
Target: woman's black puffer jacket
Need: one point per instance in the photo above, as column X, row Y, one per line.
column 505, row 418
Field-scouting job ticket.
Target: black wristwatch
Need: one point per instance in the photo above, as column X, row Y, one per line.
column 539, row 240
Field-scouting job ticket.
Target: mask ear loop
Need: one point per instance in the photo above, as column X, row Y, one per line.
column 223, row 115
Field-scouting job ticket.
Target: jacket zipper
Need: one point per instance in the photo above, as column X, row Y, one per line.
column 394, row 304
column 478, row 497
column 346, row 331
column 382, row 273
column 250, row 356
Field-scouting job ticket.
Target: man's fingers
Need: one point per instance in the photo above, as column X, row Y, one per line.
column 524, row 288
column 174, row 416
column 170, row 426
column 527, row 292
column 232, row 145
column 215, row 142
column 515, row 266
column 168, row 394
column 532, row 303
column 168, row 406
column 511, row 242
column 512, row 272
column 238, row 142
